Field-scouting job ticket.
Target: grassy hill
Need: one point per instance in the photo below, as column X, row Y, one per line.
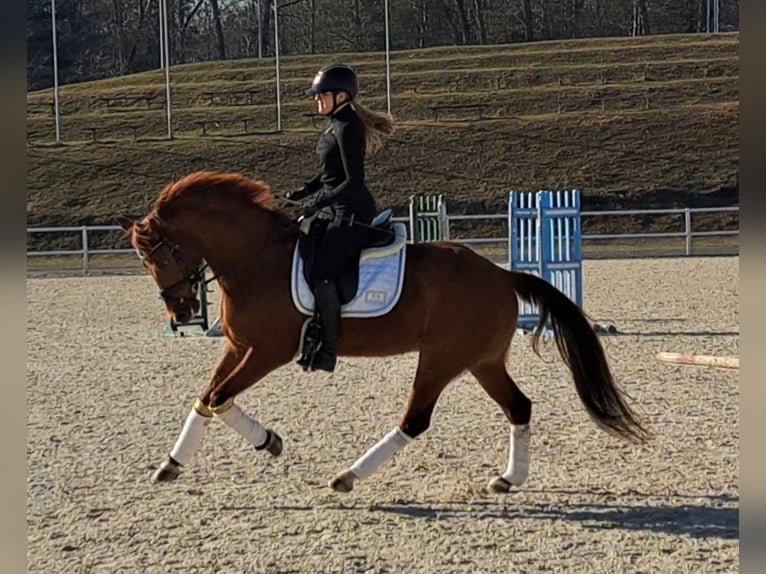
column 649, row 121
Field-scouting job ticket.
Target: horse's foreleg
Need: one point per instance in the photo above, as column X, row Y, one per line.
column 430, row 381
column 197, row 421
column 249, row 428
column 247, row 372
column 187, row 443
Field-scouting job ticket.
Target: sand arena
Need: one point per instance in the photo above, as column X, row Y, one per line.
column 107, row 397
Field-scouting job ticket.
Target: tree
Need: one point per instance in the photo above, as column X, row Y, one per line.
column 640, row 18
column 218, row 29
column 103, row 38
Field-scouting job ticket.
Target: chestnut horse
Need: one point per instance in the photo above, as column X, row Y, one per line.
column 457, row 309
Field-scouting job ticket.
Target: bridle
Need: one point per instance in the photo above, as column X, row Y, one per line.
column 189, row 278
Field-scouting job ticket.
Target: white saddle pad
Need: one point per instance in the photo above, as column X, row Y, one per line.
column 381, row 277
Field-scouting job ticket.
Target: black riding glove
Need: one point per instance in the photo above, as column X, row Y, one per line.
column 298, row 194
column 310, row 209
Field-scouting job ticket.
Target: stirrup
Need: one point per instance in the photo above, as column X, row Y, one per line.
column 311, row 340
column 324, row 362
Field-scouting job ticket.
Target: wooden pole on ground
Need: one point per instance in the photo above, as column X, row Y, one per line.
column 699, row 360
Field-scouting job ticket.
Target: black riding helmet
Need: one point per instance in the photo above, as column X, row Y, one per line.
column 335, row 78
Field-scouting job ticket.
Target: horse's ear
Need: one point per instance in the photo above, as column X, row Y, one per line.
column 125, row 222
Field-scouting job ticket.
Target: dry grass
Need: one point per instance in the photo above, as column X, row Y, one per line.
column 632, row 122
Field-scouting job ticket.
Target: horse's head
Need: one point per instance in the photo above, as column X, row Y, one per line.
column 176, row 270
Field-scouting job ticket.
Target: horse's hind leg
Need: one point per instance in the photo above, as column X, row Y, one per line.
column 430, row 380
column 494, row 378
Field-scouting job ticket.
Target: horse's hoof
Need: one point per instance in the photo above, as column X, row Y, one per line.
column 499, row 485
column 167, row 471
column 344, row 482
column 274, row 446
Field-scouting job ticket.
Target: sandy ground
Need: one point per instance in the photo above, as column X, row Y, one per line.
column 107, row 397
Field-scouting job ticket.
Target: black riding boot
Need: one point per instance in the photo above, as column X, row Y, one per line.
column 327, row 305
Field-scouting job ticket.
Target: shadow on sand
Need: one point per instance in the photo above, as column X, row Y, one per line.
column 697, row 520
column 663, row 332
column 695, row 515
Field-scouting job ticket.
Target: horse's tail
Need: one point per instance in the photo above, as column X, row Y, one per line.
column 581, row 349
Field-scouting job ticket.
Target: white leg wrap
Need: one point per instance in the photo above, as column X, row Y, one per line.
column 381, row 452
column 518, row 455
column 250, row 429
column 190, row 438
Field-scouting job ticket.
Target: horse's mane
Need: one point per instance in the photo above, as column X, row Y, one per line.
column 209, row 190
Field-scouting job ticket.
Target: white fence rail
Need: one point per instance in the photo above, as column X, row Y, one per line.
column 86, row 232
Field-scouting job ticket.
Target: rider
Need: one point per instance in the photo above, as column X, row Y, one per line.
column 340, row 193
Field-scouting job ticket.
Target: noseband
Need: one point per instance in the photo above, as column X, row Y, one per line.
column 190, row 278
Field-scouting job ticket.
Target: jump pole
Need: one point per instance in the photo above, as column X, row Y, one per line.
column 699, row 360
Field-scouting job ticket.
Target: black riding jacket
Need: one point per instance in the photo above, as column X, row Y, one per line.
column 341, row 182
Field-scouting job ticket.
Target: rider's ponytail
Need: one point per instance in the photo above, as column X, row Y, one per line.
column 377, row 125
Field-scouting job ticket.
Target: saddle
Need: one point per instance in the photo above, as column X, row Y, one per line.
column 369, row 287
column 380, row 234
